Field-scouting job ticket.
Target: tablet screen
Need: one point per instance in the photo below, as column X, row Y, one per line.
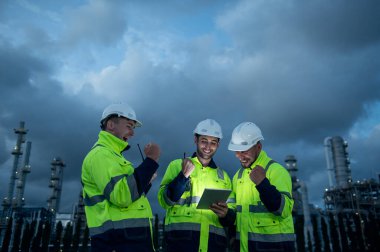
column 212, row 195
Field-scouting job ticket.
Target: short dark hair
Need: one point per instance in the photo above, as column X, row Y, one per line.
column 197, row 136
column 113, row 117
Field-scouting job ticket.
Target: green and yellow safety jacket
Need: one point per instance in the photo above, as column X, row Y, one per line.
column 254, row 222
column 182, row 214
column 111, row 196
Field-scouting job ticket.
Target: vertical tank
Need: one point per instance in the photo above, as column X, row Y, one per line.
column 341, row 162
column 330, row 169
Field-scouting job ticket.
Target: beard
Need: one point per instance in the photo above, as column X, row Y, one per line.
column 205, row 155
column 246, row 165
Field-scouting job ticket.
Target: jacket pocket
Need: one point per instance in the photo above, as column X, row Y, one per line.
column 264, row 221
column 135, row 206
column 181, row 211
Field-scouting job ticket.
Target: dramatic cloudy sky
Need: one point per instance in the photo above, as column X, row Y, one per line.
column 301, row 70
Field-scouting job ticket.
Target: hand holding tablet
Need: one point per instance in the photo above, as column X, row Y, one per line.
column 211, row 195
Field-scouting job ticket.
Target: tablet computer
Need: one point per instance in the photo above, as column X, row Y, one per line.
column 212, row 195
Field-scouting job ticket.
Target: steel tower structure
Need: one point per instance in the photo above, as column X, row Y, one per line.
column 10, row 201
column 54, row 200
column 21, row 178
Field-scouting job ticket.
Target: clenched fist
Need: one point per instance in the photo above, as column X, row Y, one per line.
column 187, row 167
column 152, row 151
column 257, row 174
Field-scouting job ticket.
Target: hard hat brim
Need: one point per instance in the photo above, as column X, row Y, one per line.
column 239, row 147
column 138, row 123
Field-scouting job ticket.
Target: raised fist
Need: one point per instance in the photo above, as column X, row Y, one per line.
column 152, row 151
column 187, row 167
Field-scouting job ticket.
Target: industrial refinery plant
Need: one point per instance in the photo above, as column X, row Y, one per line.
column 347, row 195
column 349, row 221
column 14, row 210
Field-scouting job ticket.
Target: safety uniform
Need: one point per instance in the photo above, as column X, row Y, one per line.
column 188, row 228
column 116, row 210
column 259, row 229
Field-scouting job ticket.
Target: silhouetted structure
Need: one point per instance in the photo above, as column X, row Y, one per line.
column 354, row 200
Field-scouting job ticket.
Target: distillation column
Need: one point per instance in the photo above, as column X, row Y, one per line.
column 300, row 194
column 17, row 152
column 336, row 153
column 21, row 175
column 55, row 184
column 291, row 166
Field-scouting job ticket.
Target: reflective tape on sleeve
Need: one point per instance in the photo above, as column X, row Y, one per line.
column 91, row 201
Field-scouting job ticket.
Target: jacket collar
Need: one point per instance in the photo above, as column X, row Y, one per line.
column 112, row 142
column 211, row 164
column 262, row 156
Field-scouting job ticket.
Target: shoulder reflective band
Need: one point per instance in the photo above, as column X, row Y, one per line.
column 240, row 173
column 241, row 170
column 269, row 164
column 220, row 173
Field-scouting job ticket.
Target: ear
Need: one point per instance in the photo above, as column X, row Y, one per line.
column 110, row 125
column 259, row 146
column 195, row 139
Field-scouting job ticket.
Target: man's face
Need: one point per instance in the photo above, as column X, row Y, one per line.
column 206, row 146
column 121, row 127
column 249, row 156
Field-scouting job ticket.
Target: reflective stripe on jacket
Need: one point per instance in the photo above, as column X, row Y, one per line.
column 183, row 215
column 253, row 221
column 110, row 192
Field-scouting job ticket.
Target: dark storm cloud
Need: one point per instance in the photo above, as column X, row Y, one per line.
column 340, row 25
column 295, row 69
column 335, row 26
column 298, row 91
column 100, row 22
column 17, row 67
column 3, row 154
column 284, row 70
column 364, row 163
column 58, row 125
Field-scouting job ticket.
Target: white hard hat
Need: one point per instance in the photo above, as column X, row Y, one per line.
column 209, row 127
column 244, row 136
column 121, row 109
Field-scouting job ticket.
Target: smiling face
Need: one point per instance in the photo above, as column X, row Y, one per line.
column 121, row 127
column 249, row 156
column 206, row 146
